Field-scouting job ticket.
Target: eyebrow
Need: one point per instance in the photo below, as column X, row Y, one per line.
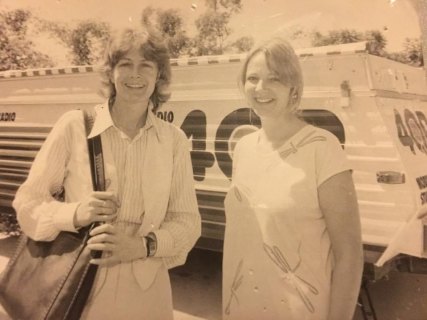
column 271, row 74
column 145, row 61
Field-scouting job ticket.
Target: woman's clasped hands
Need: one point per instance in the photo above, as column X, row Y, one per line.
column 102, row 207
column 120, row 246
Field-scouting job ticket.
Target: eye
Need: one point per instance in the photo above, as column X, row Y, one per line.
column 146, row 67
column 252, row 79
column 123, row 64
column 274, row 79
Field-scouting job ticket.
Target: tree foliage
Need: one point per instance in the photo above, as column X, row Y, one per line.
column 375, row 40
column 212, row 29
column 171, row 25
column 336, row 37
column 16, row 49
column 229, row 6
column 87, row 41
column 170, row 22
column 413, row 51
column 243, row 44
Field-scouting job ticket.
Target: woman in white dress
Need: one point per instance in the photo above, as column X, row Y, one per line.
column 149, row 209
column 292, row 246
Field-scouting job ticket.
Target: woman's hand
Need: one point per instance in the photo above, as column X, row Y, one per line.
column 122, row 247
column 98, row 207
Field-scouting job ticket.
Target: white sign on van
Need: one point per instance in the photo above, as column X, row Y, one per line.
column 406, row 122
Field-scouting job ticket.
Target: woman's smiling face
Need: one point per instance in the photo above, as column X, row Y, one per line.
column 134, row 77
column 264, row 91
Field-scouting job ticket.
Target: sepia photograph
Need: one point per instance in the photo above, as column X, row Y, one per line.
column 213, row 159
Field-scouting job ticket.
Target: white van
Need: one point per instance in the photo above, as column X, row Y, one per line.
column 376, row 107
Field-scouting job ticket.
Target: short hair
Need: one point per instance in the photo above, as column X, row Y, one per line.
column 152, row 47
column 281, row 59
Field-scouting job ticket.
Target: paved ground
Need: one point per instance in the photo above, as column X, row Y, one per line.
column 196, row 286
column 197, row 289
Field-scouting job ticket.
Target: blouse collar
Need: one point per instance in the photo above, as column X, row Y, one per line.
column 104, row 121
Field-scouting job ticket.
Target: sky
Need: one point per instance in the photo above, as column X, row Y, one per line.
column 397, row 19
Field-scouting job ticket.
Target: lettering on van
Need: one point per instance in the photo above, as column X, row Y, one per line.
column 231, row 128
column 195, row 128
column 166, row 115
column 7, row 116
column 422, row 182
column 423, row 197
column 412, row 130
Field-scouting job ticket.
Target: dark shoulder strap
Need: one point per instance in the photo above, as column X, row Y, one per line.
column 95, row 153
column 78, row 303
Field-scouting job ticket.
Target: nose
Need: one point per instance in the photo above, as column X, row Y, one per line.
column 259, row 85
column 136, row 72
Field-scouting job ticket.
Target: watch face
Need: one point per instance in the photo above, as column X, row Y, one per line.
column 152, row 246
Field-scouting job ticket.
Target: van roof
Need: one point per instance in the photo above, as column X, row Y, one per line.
column 349, row 48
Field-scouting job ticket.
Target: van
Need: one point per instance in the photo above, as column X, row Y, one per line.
column 376, row 107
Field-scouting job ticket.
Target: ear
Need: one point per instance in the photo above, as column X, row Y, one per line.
column 293, row 96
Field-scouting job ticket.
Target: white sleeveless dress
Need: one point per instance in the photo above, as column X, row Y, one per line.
column 277, row 252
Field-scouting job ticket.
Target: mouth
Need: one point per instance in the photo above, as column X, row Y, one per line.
column 263, row 100
column 134, row 85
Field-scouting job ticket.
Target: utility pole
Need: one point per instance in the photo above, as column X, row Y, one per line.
column 423, row 24
column 420, row 6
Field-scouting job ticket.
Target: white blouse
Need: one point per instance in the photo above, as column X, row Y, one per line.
column 151, row 174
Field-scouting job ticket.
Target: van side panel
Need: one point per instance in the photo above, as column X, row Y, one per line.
column 376, row 108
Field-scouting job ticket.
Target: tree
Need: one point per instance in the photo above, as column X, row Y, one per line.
column 148, row 16
column 397, row 56
column 212, row 31
column 420, row 7
column 87, row 41
column 16, row 50
column 336, row 37
column 230, row 6
column 212, row 26
column 376, row 42
column 243, row 44
column 413, row 51
column 171, row 26
column 170, row 22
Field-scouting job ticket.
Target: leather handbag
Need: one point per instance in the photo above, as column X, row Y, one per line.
column 52, row 279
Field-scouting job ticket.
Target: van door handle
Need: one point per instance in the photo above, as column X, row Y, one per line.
column 390, row 177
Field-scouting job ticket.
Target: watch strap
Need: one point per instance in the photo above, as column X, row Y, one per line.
column 151, row 241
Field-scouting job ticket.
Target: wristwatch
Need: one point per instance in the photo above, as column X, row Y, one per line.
column 151, row 241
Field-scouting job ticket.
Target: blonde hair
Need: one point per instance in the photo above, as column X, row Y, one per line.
column 282, row 60
column 152, row 47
